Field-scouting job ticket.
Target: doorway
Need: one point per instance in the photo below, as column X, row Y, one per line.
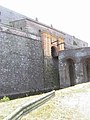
column 71, row 71
column 87, row 63
column 55, row 69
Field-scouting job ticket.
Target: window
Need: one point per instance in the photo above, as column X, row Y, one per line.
column 21, row 28
column 74, row 43
column 0, row 13
column 39, row 30
column 83, row 44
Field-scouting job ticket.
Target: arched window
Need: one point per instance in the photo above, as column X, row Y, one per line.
column 54, row 52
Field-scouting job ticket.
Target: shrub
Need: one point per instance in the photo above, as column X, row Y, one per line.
column 4, row 99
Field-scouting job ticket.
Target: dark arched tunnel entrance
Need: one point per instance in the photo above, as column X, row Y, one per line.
column 55, row 75
column 87, row 65
column 71, row 71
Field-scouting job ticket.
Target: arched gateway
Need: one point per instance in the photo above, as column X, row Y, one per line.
column 74, row 66
column 71, row 71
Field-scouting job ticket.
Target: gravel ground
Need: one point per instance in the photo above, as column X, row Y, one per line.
column 68, row 104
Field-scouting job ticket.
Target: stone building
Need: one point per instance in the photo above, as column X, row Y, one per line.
column 74, row 66
column 35, row 57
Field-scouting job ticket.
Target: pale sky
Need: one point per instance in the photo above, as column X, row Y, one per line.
column 69, row 16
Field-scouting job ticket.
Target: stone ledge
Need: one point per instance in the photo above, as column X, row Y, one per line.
column 26, row 108
column 18, row 33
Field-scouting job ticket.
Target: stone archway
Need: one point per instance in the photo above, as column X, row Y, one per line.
column 87, row 65
column 54, row 56
column 54, row 52
column 55, row 75
column 71, row 71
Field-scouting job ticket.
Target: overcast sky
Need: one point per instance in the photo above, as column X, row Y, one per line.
column 69, row 16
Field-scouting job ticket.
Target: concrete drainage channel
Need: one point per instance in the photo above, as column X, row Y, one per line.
column 28, row 107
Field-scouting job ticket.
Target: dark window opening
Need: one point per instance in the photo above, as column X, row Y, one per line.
column 71, row 70
column 39, row 30
column 21, row 28
column 54, row 52
column 74, row 43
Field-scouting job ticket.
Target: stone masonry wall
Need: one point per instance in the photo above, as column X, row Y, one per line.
column 51, row 73
column 21, row 62
column 74, row 64
column 33, row 26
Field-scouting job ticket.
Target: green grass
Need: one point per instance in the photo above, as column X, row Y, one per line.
column 5, row 99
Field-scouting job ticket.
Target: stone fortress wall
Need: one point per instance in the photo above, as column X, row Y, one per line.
column 30, row 56
column 21, row 62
